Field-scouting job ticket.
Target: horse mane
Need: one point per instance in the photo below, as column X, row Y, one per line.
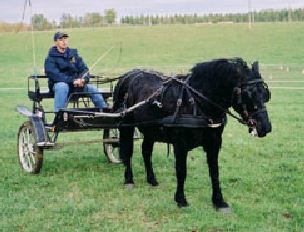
column 220, row 69
column 214, row 77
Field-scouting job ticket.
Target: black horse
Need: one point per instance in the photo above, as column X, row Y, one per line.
column 189, row 111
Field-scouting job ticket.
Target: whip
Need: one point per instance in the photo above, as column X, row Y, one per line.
column 84, row 75
column 28, row 3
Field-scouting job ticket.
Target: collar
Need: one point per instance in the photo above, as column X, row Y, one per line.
column 54, row 52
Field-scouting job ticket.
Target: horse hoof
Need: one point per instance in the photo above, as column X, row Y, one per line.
column 153, row 183
column 226, row 210
column 129, row 186
column 181, row 203
column 223, row 208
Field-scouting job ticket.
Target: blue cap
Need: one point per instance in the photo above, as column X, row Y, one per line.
column 59, row 35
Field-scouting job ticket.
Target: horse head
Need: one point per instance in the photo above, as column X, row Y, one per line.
column 249, row 100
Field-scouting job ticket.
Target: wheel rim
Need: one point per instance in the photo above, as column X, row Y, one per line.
column 111, row 149
column 112, row 153
column 27, row 151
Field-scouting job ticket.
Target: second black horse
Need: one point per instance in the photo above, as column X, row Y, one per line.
column 190, row 111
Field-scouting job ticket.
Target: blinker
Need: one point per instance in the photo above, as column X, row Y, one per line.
column 267, row 94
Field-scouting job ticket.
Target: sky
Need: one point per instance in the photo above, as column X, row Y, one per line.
column 12, row 10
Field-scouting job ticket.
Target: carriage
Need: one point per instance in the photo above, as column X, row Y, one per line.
column 187, row 111
column 36, row 134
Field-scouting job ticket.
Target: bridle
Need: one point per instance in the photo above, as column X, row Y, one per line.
column 247, row 86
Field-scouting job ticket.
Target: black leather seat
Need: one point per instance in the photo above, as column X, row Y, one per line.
column 38, row 95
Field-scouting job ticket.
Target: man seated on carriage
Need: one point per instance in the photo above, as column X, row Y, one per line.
column 67, row 73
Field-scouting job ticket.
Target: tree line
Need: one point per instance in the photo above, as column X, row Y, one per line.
column 284, row 15
column 95, row 19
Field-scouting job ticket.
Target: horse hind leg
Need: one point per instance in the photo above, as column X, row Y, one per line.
column 147, row 149
column 126, row 152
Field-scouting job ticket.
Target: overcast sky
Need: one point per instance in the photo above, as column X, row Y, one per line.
column 11, row 10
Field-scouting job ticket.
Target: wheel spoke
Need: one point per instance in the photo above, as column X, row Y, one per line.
column 27, row 160
column 32, row 156
column 28, row 135
column 24, row 136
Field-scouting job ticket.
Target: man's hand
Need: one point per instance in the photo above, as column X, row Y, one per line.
column 78, row 82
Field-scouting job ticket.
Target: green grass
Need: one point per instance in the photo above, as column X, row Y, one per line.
column 78, row 190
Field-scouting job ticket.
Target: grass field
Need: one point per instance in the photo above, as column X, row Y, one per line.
column 78, row 190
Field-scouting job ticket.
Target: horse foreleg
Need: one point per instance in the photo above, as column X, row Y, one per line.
column 181, row 174
column 212, row 159
column 126, row 152
column 147, row 149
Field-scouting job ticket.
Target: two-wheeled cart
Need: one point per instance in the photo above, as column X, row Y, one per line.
column 36, row 135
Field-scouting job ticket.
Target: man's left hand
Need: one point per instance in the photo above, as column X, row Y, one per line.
column 78, row 82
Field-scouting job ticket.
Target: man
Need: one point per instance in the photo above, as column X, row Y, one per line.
column 67, row 73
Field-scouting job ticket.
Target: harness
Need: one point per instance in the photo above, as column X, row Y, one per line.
column 190, row 90
column 183, row 120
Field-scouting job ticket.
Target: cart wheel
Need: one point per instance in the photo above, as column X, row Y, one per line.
column 30, row 156
column 137, row 134
column 111, row 145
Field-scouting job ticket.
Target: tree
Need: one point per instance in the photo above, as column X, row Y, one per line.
column 40, row 23
column 110, row 15
column 67, row 21
column 92, row 19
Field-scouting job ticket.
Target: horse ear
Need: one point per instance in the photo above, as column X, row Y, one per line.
column 255, row 67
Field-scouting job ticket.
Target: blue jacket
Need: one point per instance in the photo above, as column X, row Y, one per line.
column 63, row 67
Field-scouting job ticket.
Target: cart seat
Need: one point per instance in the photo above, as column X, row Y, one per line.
column 39, row 96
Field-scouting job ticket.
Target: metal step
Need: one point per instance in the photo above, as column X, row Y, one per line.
column 45, row 144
